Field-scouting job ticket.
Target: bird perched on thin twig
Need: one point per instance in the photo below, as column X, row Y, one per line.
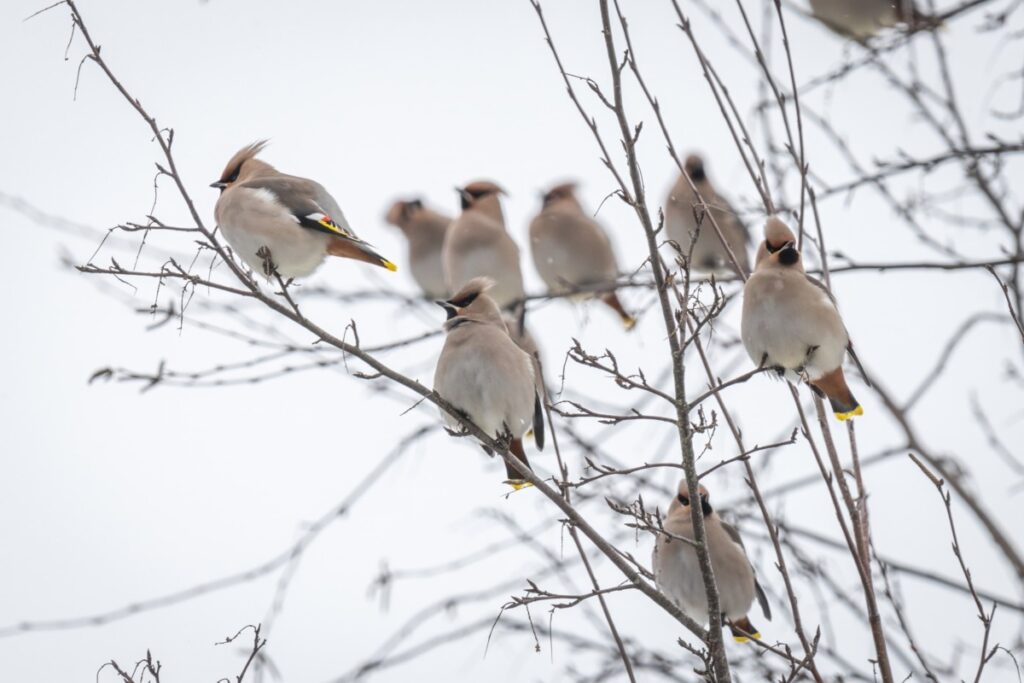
column 274, row 221
column 685, row 215
column 678, row 575
column 424, row 230
column 477, row 245
column 791, row 323
column 484, row 374
column 571, row 251
column 862, row 19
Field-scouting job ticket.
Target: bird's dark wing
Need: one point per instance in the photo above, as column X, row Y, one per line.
column 299, row 196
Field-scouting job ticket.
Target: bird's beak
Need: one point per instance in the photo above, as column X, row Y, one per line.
column 220, row 184
column 449, row 308
column 463, row 195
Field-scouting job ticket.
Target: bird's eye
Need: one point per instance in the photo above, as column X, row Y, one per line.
column 683, row 499
column 233, row 176
column 771, row 249
column 466, row 300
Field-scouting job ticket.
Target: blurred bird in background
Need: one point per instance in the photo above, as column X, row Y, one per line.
column 684, row 216
column 478, row 245
column 424, row 230
column 571, row 251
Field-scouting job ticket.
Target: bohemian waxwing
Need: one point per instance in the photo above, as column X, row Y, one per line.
column 262, row 210
column 791, row 323
column 424, row 230
column 862, row 19
column 570, row 250
column 677, row 567
column 683, row 214
column 477, row 245
column 485, row 375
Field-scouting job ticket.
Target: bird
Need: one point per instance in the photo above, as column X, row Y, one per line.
column 791, row 323
column 478, row 245
column 424, row 230
column 283, row 223
column 863, row 19
column 571, row 251
column 684, row 215
column 483, row 374
column 678, row 575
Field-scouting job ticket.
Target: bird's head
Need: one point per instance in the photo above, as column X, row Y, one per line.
column 243, row 165
column 779, row 246
column 471, row 302
column 478, row 191
column 402, row 213
column 558, row 193
column 682, row 500
column 694, row 167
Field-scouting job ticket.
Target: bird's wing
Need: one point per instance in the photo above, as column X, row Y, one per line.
column 762, row 599
column 538, row 422
column 307, row 200
column 733, row 534
column 849, row 342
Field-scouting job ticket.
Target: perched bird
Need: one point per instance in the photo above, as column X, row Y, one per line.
column 477, row 245
column 424, row 230
column 791, row 323
column 485, row 375
column 270, row 218
column 677, row 567
column 570, row 250
column 862, row 19
column 684, row 214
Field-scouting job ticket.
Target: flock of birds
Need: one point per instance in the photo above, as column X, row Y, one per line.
column 284, row 225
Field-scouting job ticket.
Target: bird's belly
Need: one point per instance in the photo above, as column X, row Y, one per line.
column 296, row 251
column 487, row 397
column 677, row 574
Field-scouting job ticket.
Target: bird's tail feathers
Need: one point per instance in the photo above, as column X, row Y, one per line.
column 834, row 386
column 358, row 250
column 515, row 480
column 743, row 630
column 612, row 300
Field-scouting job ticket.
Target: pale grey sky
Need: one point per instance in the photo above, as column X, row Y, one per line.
column 110, row 496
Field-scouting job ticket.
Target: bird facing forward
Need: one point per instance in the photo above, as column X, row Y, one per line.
column 685, row 216
column 677, row 568
column 791, row 323
column 486, row 376
column 274, row 221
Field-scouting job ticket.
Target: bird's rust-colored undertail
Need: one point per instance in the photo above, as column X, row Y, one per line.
column 834, row 386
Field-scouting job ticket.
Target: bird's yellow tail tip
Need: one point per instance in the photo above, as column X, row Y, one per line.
column 850, row 413
column 518, row 484
column 389, row 265
column 628, row 322
column 744, row 639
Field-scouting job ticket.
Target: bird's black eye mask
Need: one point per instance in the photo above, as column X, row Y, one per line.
column 696, row 173
column 787, row 251
column 683, row 499
column 465, row 301
column 410, row 206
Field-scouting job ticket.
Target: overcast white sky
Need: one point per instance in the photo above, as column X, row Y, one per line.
column 109, row 496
